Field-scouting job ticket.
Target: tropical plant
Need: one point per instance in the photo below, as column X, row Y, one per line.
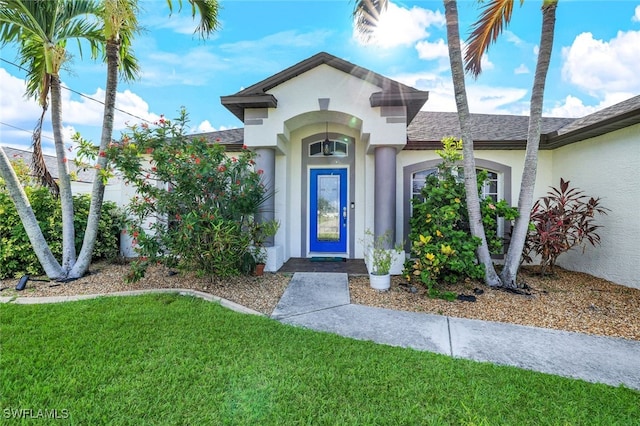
column 367, row 14
column 442, row 250
column 41, row 30
column 17, row 256
column 476, row 224
column 260, row 232
column 377, row 252
column 495, row 17
column 561, row 221
column 195, row 206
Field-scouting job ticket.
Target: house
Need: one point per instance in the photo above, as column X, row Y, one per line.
column 81, row 178
column 345, row 149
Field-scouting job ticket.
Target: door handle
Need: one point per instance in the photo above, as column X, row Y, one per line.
column 344, row 216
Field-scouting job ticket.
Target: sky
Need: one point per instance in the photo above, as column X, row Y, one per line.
column 595, row 62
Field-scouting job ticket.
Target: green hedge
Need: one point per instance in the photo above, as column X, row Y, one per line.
column 16, row 254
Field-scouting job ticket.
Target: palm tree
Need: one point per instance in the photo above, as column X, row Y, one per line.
column 120, row 25
column 17, row 17
column 496, row 16
column 367, row 14
column 42, row 30
column 470, row 178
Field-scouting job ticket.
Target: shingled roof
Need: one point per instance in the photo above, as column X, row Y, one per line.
column 615, row 117
column 490, row 131
column 82, row 175
column 232, row 139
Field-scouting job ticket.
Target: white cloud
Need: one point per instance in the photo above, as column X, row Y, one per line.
column 571, row 107
column 193, row 67
column 289, row 39
column 522, row 69
column 575, row 108
column 14, row 106
column 636, row 15
column 78, row 113
column 181, row 24
column 399, row 26
column 601, row 67
column 486, row 63
column 89, row 113
column 429, row 51
column 204, row 127
column 512, row 38
column 179, row 20
column 482, row 99
column 536, row 50
column 495, row 100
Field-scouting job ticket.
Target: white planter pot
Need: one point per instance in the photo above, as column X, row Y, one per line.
column 380, row 282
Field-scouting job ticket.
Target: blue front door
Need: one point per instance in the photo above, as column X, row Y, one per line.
column 328, row 211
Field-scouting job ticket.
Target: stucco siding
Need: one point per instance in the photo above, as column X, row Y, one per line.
column 607, row 167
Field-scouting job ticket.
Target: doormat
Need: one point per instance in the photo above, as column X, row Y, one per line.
column 327, row 259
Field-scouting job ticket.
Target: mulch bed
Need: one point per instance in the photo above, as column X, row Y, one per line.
column 569, row 301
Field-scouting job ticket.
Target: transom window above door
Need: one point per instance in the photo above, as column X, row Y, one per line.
column 328, row 148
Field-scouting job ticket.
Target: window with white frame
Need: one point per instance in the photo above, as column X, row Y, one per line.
column 489, row 189
column 328, row 147
column 497, row 187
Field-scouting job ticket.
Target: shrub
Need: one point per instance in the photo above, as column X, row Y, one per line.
column 442, row 248
column 195, row 205
column 560, row 221
column 16, row 253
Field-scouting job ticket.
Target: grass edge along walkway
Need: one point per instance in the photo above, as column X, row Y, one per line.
column 171, row 359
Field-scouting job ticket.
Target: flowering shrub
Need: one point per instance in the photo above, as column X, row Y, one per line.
column 195, row 206
column 442, row 248
column 560, row 221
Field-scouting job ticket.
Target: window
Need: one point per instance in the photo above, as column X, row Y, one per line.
column 418, row 180
column 497, row 186
column 328, row 147
column 490, row 187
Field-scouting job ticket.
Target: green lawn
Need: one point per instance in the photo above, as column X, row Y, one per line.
column 168, row 359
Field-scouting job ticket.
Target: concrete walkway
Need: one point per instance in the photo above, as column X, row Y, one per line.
column 320, row 301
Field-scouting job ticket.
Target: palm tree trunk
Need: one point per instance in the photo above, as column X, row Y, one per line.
column 527, row 186
column 66, row 197
column 38, row 165
column 40, row 247
column 470, row 180
column 97, row 194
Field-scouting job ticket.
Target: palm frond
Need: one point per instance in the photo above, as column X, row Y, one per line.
column 120, row 25
column 366, row 14
column 495, row 16
column 208, row 11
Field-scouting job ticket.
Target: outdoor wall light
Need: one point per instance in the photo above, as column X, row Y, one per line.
column 327, row 149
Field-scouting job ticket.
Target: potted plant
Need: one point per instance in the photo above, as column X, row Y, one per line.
column 259, row 233
column 379, row 258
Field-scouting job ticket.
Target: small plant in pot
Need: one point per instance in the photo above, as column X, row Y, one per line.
column 259, row 233
column 380, row 258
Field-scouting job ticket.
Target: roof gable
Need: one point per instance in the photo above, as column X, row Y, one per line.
column 392, row 92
